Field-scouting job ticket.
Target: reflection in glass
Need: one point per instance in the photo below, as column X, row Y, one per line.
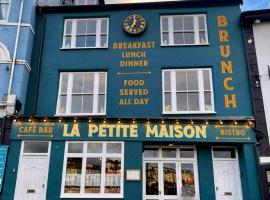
column 35, row 147
column 181, row 83
column 188, row 185
column 165, row 38
column 94, row 148
column 167, row 81
column 73, row 175
column 81, row 27
column 93, row 175
column 188, row 23
column 178, row 23
column 168, row 101
column 91, row 26
column 75, row 147
column 207, row 101
column 169, row 153
column 181, row 99
column 165, row 23
column 62, row 104
column 169, row 173
column 192, row 80
column 113, row 147
column 224, row 153
column 186, row 153
column 76, row 103
column 152, row 179
column 193, row 101
column 88, row 83
column 150, row 153
column 113, row 175
column 178, row 38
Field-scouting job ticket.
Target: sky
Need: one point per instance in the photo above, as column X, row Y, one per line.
column 248, row 4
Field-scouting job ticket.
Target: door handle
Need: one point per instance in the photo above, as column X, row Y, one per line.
column 43, row 186
column 159, row 192
column 216, row 188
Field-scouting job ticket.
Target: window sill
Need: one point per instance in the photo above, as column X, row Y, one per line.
column 74, row 48
column 189, row 113
column 181, row 45
column 79, row 114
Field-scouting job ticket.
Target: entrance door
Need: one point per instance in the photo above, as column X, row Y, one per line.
column 227, row 176
column 168, row 177
column 33, row 171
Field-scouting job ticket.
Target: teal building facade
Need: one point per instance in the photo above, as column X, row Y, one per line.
column 136, row 102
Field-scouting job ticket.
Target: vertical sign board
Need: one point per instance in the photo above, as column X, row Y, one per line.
column 3, row 158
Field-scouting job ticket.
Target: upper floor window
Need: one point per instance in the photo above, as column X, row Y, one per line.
column 86, row 33
column 86, row 2
column 4, row 53
column 82, row 93
column 183, row 30
column 4, row 6
column 187, row 91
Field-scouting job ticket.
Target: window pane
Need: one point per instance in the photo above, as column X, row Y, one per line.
column 80, row 41
column 102, row 80
column 87, row 104
column 188, row 181
column 94, row 148
column 91, row 26
column 201, row 23
column 77, row 83
column 192, row 80
column 73, row 175
column 64, row 82
column 68, row 26
column 75, row 147
column 164, row 23
column 181, row 99
column 169, row 153
column 186, row 153
column 91, row 41
column 35, row 147
column 103, row 41
column 76, row 104
column 114, row 147
column 177, row 23
column 113, row 175
column 93, row 175
column 62, row 104
column 104, row 26
column 207, row 101
column 224, row 153
column 181, row 84
column 4, row 10
column 167, row 81
column 193, row 102
column 88, row 83
column 150, row 153
column 168, row 101
column 101, row 103
column 81, row 27
column 165, row 38
column 188, row 23
column 152, row 179
column 178, row 38
column 206, row 79
column 169, row 175
column 67, row 41
column 202, row 36
column 189, row 38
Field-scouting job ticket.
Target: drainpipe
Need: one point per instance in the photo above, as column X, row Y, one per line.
column 39, row 63
column 15, row 49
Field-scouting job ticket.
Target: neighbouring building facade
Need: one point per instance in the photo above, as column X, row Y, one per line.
column 17, row 19
column 136, row 101
column 256, row 29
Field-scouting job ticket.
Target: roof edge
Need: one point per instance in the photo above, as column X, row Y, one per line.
column 132, row 6
column 255, row 16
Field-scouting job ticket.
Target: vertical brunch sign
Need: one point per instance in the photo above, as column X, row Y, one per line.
column 133, row 67
column 226, row 63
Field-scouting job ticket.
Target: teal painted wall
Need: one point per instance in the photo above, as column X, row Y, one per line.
column 249, row 172
column 56, row 60
column 10, row 176
column 206, row 174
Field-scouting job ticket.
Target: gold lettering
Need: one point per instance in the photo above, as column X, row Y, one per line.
column 225, row 83
column 151, row 131
column 226, row 67
column 74, row 131
column 222, row 21
column 225, row 53
column 230, row 101
column 200, row 131
column 223, row 36
column 133, row 131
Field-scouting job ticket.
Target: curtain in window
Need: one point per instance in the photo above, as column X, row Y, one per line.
column 4, row 9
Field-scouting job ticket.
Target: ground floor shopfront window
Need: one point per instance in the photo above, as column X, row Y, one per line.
column 170, row 173
column 93, row 169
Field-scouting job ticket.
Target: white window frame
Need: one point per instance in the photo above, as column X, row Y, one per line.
column 85, row 2
column 196, row 30
column 7, row 17
column 73, row 33
column 178, row 160
column 5, row 55
column 200, row 89
column 69, row 95
column 86, row 155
